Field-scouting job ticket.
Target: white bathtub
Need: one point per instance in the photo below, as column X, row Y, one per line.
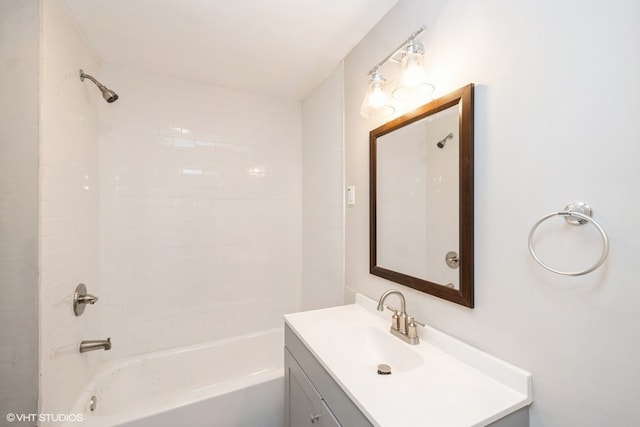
column 235, row 382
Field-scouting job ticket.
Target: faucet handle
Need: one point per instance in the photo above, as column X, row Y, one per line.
column 81, row 298
column 411, row 320
column 87, row 299
column 412, row 328
column 395, row 319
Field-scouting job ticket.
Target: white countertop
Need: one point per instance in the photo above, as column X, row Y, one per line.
column 439, row 382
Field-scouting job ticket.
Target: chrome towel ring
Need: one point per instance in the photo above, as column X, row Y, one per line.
column 573, row 217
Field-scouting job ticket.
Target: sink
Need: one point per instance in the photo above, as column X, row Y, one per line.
column 366, row 347
column 439, row 381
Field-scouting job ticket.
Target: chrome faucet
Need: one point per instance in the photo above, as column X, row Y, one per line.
column 403, row 326
column 402, row 317
column 90, row 345
column 81, row 298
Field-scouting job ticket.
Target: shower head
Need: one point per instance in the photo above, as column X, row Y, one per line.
column 443, row 141
column 108, row 95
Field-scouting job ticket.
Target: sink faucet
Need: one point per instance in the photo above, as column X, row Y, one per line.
column 402, row 325
column 402, row 316
column 90, row 345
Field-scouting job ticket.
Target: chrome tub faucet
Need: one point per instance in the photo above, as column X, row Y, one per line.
column 90, row 345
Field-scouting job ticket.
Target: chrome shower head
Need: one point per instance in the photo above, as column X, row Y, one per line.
column 108, row 95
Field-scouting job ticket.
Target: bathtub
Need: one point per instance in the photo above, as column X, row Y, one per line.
column 235, row 382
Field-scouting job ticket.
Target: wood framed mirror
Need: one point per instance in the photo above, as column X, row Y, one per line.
column 421, row 198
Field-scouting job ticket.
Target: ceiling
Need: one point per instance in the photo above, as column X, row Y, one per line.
column 283, row 47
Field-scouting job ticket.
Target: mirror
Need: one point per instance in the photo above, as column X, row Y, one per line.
column 421, row 198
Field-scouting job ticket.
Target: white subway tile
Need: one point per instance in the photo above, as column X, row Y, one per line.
column 185, row 180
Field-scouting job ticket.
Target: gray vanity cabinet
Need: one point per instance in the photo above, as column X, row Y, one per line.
column 312, row 397
column 305, row 406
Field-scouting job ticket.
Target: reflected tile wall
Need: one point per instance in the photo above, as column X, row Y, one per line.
column 200, row 210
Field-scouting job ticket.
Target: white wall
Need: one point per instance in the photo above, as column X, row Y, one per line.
column 200, row 211
column 68, row 209
column 556, row 121
column 322, row 194
column 19, row 74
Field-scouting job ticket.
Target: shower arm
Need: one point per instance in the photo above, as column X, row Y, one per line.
column 443, row 140
column 90, row 77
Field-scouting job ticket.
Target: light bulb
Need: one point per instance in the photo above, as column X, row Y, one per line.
column 413, row 73
column 413, row 83
column 375, row 104
column 377, row 97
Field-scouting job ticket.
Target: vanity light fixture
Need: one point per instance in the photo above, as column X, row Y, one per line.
column 375, row 105
column 412, row 85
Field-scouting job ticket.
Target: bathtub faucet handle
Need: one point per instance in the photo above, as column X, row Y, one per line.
column 82, row 298
column 87, row 299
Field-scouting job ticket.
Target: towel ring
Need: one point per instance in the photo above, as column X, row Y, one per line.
column 575, row 218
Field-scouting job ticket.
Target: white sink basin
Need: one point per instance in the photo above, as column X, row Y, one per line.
column 440, row 381
column 366, row 347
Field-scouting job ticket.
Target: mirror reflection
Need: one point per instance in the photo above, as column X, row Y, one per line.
column 417, row 198
column 422, row 198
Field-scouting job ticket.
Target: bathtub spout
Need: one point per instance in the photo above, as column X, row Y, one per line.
column 90, row 345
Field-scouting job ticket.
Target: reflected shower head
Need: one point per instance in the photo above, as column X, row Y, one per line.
column 108, row 95
column 443, row 141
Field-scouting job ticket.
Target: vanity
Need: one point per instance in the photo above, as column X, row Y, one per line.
column 359, row 365
column 333, row 376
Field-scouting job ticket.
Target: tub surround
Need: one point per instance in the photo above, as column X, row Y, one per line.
column 441, row 381
column 230, row 381
column 197, row 182
column 68, row 245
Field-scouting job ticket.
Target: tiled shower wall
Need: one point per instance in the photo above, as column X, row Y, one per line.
column 68, row 209
column 200, row 211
